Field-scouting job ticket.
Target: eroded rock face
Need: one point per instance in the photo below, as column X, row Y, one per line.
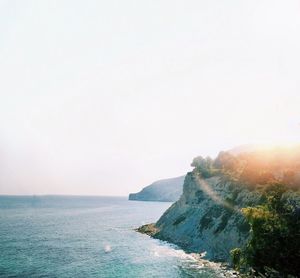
column 207, row 217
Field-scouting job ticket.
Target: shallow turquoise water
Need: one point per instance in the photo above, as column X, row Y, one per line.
column 55, row 236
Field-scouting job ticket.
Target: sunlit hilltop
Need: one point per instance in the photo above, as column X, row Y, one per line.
column 257, row 164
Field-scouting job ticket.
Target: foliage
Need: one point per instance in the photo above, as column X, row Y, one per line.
column 255, row 168
column 236, row 256
column 274, row 245
column 204, row 166
column 275, row 234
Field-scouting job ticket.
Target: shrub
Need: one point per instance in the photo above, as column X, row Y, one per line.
column 275, row 235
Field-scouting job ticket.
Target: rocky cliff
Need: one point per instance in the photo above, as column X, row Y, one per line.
column 223, row 197
column 167, row 190
column 207, row 217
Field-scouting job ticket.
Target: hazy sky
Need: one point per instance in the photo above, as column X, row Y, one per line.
column 104, row 97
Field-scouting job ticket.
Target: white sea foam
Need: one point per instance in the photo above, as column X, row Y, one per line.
column 107, row 248
column 169, row 251
column 193, row 260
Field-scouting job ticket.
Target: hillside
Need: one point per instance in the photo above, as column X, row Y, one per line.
column 242, row 209
column 167, row 190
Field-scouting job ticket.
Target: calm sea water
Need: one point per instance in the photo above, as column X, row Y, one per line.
column 61, row 236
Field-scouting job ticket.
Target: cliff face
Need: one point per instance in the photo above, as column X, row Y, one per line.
column 207, row 217
column 168, row 190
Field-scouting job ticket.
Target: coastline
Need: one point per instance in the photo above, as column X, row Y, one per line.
column 148, row 229
column 151, row 230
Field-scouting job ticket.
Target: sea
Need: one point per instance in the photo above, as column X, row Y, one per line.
column 80, row 236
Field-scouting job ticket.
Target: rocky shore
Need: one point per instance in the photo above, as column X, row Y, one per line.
column 206, row 218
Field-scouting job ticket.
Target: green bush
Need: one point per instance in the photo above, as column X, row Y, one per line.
column 204, row 166
column 236, row 255
column 275, row 235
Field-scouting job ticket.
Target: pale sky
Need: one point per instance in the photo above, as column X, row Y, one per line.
column 105, row 97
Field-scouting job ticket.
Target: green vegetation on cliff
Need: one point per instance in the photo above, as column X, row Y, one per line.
column 246, row 205
column 274, row 242
column 275, row 234
column 254, row 168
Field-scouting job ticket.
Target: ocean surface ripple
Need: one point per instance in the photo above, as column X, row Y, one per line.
column 70, row 236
